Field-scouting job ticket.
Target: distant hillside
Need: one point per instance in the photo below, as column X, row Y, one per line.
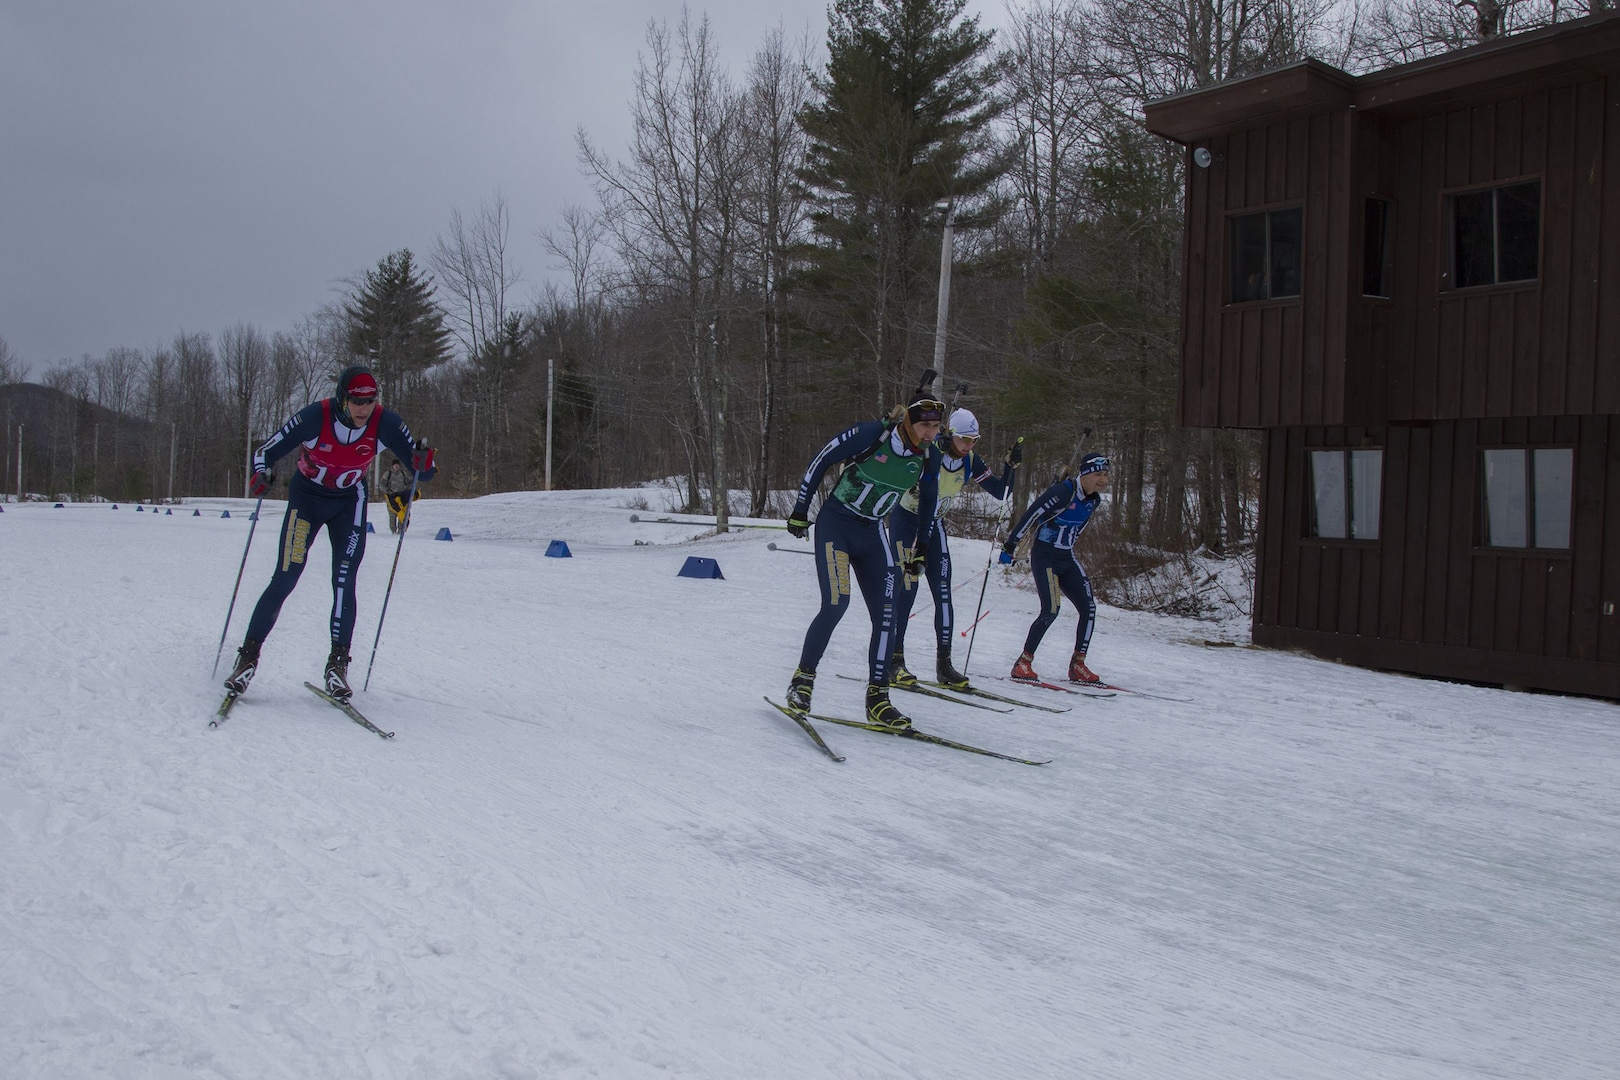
column 52, row 420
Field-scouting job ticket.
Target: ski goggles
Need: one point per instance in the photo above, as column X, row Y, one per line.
column 926, row 410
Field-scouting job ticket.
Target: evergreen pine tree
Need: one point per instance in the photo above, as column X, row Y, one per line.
column 899, row 126
column 394, row 324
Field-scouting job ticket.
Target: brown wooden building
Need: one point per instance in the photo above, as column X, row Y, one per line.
column 1410, row 281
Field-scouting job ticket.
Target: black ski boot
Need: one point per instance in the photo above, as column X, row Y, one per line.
column 798, row 695
column 880, row 711
column 247, row 664
column 949, row 677
column 898, row 675
column 337, row 673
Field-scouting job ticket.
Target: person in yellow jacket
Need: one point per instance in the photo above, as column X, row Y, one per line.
column 397, row 493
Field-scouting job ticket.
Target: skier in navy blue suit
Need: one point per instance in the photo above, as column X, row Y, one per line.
column 886, row 459
column 337, row 438
column 959, row 466
column 1062, row 513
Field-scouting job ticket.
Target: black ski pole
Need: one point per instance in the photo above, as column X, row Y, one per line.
column 1004, row 516
column 1079, row 448
column 226, row 629
column 409, row 499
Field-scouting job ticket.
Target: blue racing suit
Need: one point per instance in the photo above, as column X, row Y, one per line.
column 1063, row 514
column 954, row 475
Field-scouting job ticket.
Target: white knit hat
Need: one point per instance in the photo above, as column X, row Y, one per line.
column 963, row 423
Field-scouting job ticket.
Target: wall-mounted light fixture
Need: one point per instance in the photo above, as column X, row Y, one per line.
column 1202, row 157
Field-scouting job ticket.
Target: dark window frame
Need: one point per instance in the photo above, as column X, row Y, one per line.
column 1482, row 544
column 1348, row 510
column 1454, row 199
column 1378, row 281
column 1267, row 271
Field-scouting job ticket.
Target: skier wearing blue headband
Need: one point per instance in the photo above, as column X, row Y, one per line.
column 1062, row 513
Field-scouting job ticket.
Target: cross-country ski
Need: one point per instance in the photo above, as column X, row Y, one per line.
column 927, row 737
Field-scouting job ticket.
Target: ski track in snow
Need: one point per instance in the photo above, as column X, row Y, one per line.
column 592, row 851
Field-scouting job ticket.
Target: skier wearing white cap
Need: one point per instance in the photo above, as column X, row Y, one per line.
column 959, row 466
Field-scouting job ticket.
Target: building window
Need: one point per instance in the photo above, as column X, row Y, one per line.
column 1375, row 248
column 1528, row 496
column 1346, row 486
column 1265, row 251
column 1496, row 235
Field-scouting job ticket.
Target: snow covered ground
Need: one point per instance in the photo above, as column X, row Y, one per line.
column 593, row 851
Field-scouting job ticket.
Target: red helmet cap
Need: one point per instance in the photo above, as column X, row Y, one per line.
column 362, row 387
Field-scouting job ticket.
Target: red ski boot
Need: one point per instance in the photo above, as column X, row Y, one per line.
column 1025, row 668
column 1079, row 673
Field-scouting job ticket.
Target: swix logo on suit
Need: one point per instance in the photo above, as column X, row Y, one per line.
column 332, row 463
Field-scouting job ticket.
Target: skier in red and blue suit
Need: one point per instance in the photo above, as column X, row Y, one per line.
column 1062, row 512
column 337, row 438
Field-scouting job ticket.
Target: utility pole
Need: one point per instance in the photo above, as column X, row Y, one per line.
column 173, row 444
column 247, row 452
column 19, row 462
column 944, row 291
column 551, row 386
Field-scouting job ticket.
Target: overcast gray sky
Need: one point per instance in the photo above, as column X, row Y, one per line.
column 171, row 165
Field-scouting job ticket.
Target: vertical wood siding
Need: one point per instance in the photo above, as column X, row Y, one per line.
column 1425, row 580
column 1545, row 348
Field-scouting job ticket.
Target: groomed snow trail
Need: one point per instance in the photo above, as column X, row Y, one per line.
column 592, row 851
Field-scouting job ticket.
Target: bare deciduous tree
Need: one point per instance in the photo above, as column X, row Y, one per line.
column 1400, row 31
column 674, row 212
column 1053, row 115
column 72, row 379
column 244, row 357
column 576, row 244
column 470, row 263
column 1154, row 48
column 11, row 365
column 319, row 350
column 117, row 379
column 774, row 215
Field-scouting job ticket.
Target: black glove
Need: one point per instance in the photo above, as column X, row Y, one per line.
column 1016, row 454
column 915, row 561
column 259, row 484
column 1009, row 552
column 798, row 525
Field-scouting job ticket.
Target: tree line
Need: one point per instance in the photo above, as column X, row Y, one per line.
column 761, row 267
